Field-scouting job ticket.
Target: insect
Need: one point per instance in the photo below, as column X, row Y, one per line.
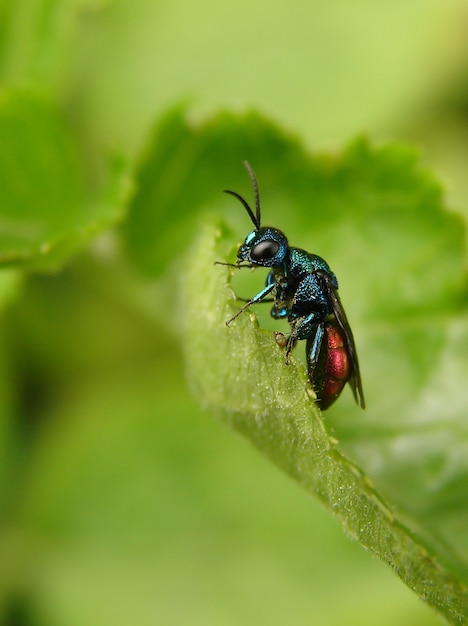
column 303, row 290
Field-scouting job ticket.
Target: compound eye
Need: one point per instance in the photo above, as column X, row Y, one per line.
column 264, row 250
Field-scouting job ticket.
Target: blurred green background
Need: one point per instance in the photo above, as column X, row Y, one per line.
column 122, row 502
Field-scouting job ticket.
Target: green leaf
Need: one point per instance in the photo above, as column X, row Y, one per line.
column 240, row 373
column 46, row 211
column 399, row 256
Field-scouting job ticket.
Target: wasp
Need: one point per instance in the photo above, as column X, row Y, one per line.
column 303, row 290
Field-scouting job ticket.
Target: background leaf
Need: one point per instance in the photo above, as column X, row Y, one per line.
column 46, row 212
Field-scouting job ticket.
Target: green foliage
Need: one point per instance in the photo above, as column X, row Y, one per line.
column 111, row 483
column 265, row 400
column 370, row 204
column 48, row 218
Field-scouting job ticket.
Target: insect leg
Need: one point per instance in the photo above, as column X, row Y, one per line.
column 302, row 328
column 264, row 301
column 257, row 298
column 313, row 350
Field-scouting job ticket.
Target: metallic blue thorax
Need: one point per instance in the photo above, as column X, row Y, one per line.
column 298, row 292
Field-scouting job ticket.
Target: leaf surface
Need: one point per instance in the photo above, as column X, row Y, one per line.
column 378, row 219
column 46, row 210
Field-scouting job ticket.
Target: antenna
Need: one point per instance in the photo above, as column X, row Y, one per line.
column 253, row 178
column 255, row 217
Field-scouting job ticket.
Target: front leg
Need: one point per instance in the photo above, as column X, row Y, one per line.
column 236, row 266
column 255, row 300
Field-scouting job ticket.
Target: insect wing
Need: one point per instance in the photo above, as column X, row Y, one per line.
column 340, row 316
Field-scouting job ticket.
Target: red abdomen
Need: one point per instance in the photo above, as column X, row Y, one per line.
column 337, row 370
column 329, row 364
